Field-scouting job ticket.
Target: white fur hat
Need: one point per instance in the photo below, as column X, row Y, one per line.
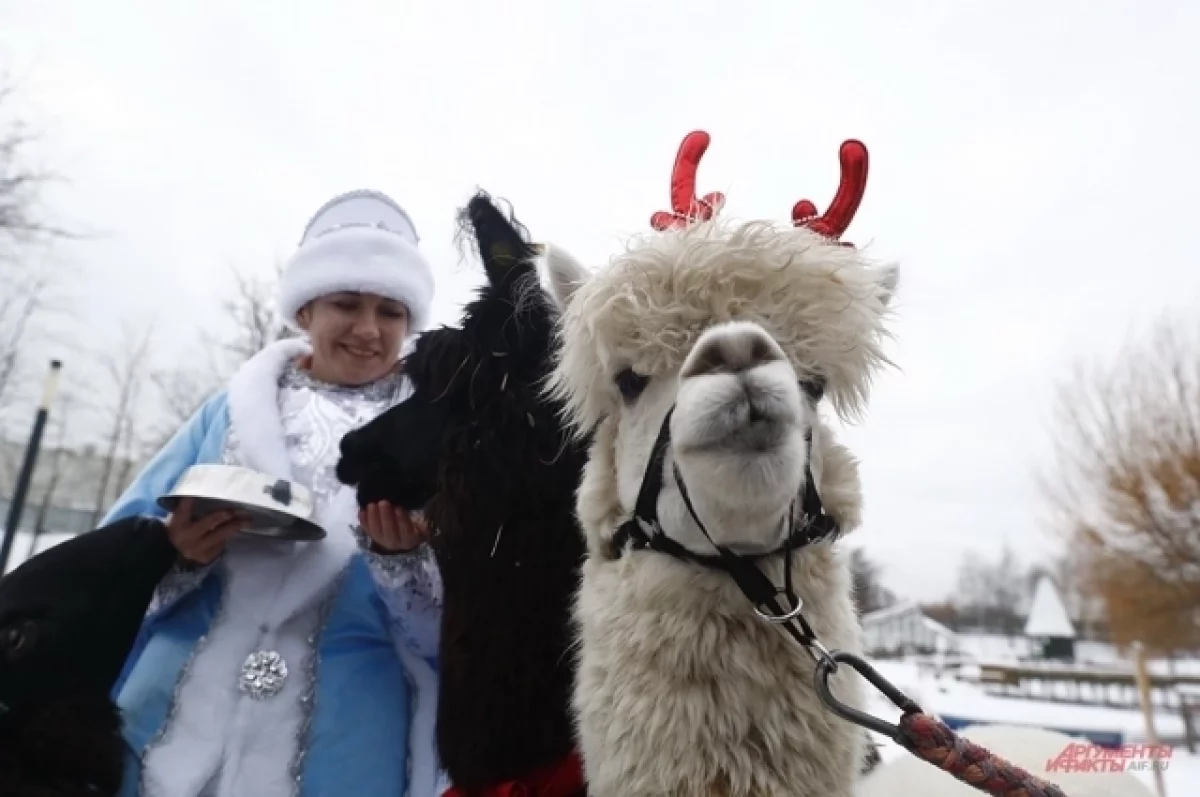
column 361, row 242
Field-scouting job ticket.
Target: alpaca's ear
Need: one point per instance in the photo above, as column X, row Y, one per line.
column 566, row 274
column 888, row 282
column 501, row 245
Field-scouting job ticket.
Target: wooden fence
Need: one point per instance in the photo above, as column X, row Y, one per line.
column 1174, row 693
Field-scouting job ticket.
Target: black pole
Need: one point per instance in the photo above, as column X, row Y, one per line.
column 17, row 504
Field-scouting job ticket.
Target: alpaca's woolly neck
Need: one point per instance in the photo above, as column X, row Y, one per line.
column 683, row 690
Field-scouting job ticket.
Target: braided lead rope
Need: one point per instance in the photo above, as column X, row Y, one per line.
column 932, row 741
column 924, row 736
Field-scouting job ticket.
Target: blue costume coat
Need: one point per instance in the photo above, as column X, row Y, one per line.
column 361, row 704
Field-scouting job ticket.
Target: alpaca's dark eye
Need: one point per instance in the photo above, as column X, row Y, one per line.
column 18, row 640
column 631, row 383
column 813, row 387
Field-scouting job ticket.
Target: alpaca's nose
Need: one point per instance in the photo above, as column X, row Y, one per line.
column 730, row 349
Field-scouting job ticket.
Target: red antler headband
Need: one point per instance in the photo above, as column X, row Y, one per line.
column 836, row 220
column 685, row 207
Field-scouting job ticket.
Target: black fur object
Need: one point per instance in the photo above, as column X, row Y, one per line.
column 871, row 758
column 482, row 451
column 68, row 619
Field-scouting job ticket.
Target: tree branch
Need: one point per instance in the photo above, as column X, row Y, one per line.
column 1126, row 483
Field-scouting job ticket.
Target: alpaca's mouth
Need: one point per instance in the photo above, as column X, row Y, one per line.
column 759, row 434
column 752, row 422
column 756, row 436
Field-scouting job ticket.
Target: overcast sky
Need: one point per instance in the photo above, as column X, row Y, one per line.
column 1034, row 171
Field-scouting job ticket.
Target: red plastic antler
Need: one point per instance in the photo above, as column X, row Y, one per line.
column 836, row 220
column 685, row 207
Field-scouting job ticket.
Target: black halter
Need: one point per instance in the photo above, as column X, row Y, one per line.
column 642, row 531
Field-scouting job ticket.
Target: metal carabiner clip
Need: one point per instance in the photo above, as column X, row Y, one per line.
column 828, row 664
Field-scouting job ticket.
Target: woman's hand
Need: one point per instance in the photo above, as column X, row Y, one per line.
column 201, row 541
column 393, row 530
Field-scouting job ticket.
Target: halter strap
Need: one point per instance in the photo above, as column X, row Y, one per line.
column 643, row 531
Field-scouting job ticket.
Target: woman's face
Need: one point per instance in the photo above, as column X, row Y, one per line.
column 356, row 337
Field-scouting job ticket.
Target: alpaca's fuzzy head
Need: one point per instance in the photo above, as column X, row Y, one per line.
column 743, row 329
column 478, row 385
column 69, row 616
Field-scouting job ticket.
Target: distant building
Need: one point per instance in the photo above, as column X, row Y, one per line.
column 904, row 629
column 63, row 496
column 1049, row 625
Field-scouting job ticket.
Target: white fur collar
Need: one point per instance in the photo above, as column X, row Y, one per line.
column 254, row 407
column 261, row 444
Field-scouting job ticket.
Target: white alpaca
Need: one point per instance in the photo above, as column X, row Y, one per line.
column 741, row 329
column 1028, row 748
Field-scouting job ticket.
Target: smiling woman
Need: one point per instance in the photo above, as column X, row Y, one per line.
column 355, row 337
column 267, row 665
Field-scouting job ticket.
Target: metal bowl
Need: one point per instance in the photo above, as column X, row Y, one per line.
column 277, row 508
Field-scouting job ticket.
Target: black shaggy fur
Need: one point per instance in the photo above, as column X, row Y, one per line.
column 484, row 453
column 68, row 619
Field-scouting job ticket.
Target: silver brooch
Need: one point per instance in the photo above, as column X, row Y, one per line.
column 263, row 674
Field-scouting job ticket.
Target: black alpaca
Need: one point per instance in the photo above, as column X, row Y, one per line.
column 68, row 619
column 484, row 453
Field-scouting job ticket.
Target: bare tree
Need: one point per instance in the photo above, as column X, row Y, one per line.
column 1126, row 485
column 869, row 591
column 20, row 185
column 991, row 593
column 1008, row 579
column 23, row 299
column 24, row 280
column 127, row 372
column 252, row 322
column 254, row 317
column 181, row 392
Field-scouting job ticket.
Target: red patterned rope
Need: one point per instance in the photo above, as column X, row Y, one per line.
column 931, row 740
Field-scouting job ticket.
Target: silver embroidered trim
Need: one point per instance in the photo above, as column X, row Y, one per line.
column 395, row 570
column 179, row 581
column 371, row 193
column 232, row 443
column 293, row 377
column 162, row 734
column 309, row 674
column 414, row 574
column 413, row 705
column 410, row 585
column 378, row 225
column 316, row 416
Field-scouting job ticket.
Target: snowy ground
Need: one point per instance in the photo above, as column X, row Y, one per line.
column 20, row 548
column 964, row 700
